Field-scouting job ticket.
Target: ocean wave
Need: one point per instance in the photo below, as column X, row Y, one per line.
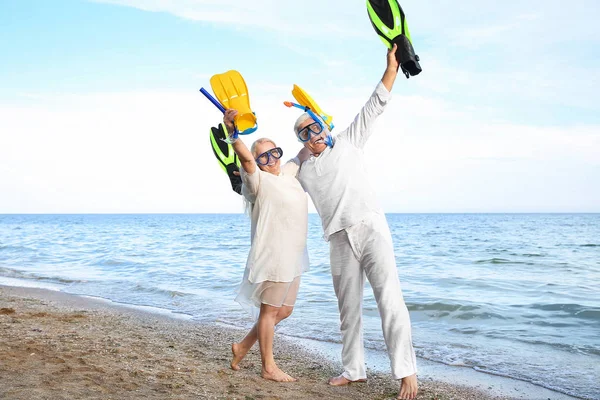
column 439, row 306
column 119, row 265
column 535, row 382
column 558, row 343
column 568, row 309
column 196, row 248
column 321, row 337
column 110, row 262
column 571, row 308
column 449, row 357
column 500, row 261
column 156, row 290
column 13, row 273
column 465, row 331
column 589, row 313
column 452, row 311
column 16, row 248
column 479, row 315
column 548, row 324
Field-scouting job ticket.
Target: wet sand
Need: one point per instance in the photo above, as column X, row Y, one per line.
column 59, row 346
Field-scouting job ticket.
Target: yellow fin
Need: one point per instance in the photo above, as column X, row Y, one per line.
column 305, row 100
column 231, row 91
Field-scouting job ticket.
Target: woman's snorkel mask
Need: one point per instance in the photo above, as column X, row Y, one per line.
column 313, row 129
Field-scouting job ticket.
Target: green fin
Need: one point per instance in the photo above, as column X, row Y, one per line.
column 227, row 158
column 389, row 21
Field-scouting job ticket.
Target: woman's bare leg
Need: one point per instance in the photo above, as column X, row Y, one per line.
column 266, row 331
column 242, row 348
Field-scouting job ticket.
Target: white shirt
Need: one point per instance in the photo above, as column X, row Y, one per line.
column 279, row 224
column 337, row 179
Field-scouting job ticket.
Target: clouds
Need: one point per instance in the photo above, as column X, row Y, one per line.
column 311, row 18
column 112, row 152
column 505, row 116
column 468, row 23
column 149, row 152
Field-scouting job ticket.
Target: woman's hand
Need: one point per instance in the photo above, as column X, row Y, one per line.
column 228, row 118
column 246, row 159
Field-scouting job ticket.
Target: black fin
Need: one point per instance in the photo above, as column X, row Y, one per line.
column 220, row 136
column 225, row 148
column 405, row 54
column 236, row 181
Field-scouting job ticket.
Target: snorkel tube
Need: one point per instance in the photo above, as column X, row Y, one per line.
column 212, row 100
column 318, row 119
column 231, row 138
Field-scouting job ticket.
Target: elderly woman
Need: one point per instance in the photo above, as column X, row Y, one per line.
column 359, row 237
column 279, row 213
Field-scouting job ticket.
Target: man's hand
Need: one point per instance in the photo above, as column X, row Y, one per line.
column 228, row 120
column 392, row 62
column 391, row 71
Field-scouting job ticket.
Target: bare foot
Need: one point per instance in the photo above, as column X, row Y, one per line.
column 408, row 388
column 342, row 381
column 238, row 356
column 277, row 375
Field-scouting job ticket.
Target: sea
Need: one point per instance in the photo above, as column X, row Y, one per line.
column 515, row 295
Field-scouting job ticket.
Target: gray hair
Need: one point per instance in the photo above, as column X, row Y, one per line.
column 301, row 119
column 306, row 116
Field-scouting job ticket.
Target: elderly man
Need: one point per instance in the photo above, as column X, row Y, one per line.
column 334, row 176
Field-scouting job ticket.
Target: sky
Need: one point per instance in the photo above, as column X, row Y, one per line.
column 100, row 110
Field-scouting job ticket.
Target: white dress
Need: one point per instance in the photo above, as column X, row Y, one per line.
column 278, row 254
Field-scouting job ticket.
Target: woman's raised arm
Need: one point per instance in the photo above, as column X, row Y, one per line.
column 244, row 154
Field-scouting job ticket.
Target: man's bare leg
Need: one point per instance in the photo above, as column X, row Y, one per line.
column 408, row 388
column 343, row 381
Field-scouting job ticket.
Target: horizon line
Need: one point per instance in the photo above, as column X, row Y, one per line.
column 310, row 213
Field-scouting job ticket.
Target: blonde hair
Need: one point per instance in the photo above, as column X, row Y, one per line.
column 248, row 207
column 257, row 142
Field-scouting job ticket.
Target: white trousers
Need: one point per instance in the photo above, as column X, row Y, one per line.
column 366, row 250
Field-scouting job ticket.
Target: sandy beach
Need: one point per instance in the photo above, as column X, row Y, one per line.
column 59, row 346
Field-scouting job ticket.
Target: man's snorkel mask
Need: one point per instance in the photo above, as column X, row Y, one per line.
column 318, row 119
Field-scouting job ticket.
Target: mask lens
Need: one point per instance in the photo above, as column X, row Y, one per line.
column 269, row 157
column 304, row 135
column 263, row 159
column 276, row 152
column 315, row 128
